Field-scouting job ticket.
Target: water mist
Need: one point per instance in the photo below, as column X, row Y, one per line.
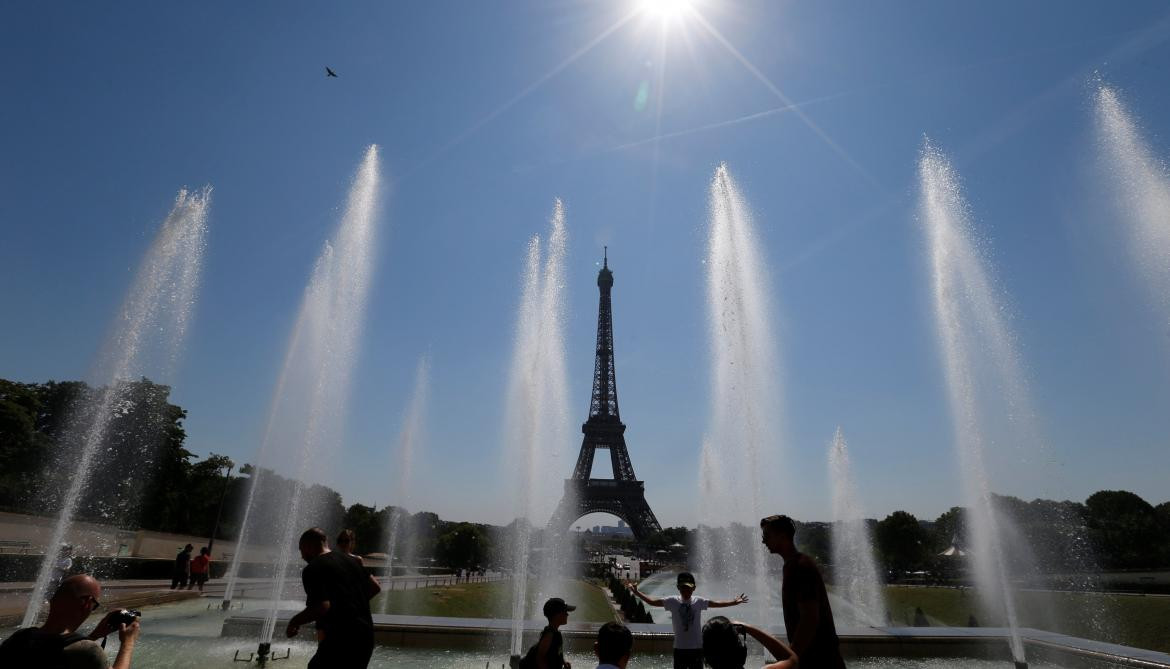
column 983, row 377
column 536, row 423
column 854, row 570
column 147, row 336
column 745, row 399
column 399, row 538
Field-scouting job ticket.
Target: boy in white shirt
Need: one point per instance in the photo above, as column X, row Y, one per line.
column 685, row 610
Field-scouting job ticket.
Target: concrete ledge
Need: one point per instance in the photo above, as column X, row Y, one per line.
column 951, row 642
column 120, row 600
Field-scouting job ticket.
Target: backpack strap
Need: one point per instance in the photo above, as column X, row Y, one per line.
column 71, row 638
column 28, row 645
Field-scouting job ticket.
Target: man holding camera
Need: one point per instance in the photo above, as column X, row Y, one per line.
column 725, row 645
column 56, row 644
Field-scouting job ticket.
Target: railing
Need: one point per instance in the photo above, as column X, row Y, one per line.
column 417, row 582
column 24, row 546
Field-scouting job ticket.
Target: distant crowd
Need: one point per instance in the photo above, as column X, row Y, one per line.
column 338, row 590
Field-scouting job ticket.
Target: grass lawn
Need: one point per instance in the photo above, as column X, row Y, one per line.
column 1131, row 620
column 491, row 600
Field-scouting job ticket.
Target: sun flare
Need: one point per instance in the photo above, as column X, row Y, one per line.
column 665, row 9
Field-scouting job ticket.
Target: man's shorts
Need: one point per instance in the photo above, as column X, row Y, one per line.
column 688, row 658
column 337, row 652
column 199, row 579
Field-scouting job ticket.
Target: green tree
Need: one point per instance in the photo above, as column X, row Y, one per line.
column 949, row 528
column 368, row 524
column 425, row 527
column 23, row 449
column 814, row 539
column 1125, row 529
column 667, row 536
column 902, row 542
column 463, row 546
column 206, row 483
column 142, row 447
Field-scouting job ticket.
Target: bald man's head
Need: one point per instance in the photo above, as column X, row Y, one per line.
column 75, row 599
column 78, row 585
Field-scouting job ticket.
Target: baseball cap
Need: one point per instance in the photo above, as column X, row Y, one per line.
column 686, row 578
column 557, row 605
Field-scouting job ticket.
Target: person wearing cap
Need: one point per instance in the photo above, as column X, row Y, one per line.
column 550, row 650
column 685, row 610
column 808, row 619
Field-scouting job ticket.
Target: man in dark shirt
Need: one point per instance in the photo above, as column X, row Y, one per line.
column 337, row 598
column 807, row 616
column 182, row 568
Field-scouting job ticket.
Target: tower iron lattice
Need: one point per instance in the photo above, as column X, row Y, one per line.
column 623, row 495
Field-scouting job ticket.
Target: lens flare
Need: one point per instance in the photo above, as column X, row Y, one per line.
column 665, row 9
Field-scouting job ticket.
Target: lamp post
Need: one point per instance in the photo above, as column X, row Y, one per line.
column 227, row 479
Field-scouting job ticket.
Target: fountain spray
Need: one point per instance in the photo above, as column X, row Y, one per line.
column 536, row 414
column 305, row 423
column 970, row 323
column 1141, row 183
column 408, row 439
column 745, row 394
column 161, row 300
column 854, row 570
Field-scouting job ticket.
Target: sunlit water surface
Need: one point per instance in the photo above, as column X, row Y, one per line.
column 185, row 635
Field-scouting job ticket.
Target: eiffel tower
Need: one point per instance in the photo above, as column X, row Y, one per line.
column 623, row 495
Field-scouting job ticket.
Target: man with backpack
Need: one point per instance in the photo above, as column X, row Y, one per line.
column 549, row 651
column 57, row 644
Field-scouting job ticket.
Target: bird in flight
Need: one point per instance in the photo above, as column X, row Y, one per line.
column 329, row 72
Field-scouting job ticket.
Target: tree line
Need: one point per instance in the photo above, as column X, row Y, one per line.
column 1111, row 529
column 144, row 477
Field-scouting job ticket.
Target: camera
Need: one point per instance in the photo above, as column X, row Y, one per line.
column 124, row 617
column 121, row 617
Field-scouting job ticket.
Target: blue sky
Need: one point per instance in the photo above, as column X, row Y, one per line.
column 108, row 111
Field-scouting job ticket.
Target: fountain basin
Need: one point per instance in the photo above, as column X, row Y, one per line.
column 985, row 643
column 189, row 634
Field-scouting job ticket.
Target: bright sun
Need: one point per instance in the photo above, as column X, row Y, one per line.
column 665, row 9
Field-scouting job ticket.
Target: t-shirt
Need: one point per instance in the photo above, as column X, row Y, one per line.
column 337, row 578
column 684, row 616
column 199, row 564
column 30, row 647
column 181, row 561
column 803, row 583
column 555, row 658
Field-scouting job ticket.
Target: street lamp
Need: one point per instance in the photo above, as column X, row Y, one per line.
column 227, row 479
